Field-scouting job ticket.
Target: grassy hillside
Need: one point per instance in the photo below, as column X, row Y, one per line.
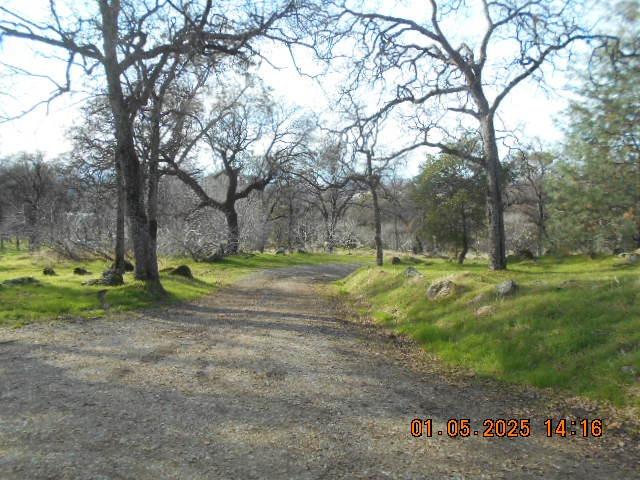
column 64, row 295
column 573, row 324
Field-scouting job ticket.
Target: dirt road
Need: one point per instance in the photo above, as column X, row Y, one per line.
column 260, row 381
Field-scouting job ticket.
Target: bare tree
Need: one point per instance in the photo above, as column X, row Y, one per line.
column 399, row 205
column 328, row 186
column 94, row 155
column 30, row 183
column 251, row 142
column 371, row 162
column 433, row 65
column 136, row 45
column 528, row 193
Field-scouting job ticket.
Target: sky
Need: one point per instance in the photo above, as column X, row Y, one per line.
column 530, row 110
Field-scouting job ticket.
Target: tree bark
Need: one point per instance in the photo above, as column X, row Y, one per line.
column 465, row 238
column 290, row 226
column 542, row 231
column 495, row 205
column 418, row 247
column 378, row 225
column 146, row 267
column 153, row 274
column 120, row 227
column 329, row 235
column 233, row 230
column 30, row 215
column 396, row 232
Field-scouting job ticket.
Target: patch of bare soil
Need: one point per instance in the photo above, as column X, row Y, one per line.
column 265, row 381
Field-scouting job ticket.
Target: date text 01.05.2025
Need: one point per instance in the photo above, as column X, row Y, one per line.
column 507, row 428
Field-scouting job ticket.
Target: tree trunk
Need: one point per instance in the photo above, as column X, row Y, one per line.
column 30, row 214
column 290, row 227
column 233, row 230
column 329, row 236
column 153, row 274
column 120, row 232
column 465, row 238
column 18, row 242
column 146, row 268
column 378, row 225
column 262, row 237
column 542, row 231
column 140, row 228
column 540, row 241
column 418, row 247
column 396, row 232
column 495, row 206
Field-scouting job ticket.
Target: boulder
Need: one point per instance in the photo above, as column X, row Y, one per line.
column 484, row 311
column 182, row 271
column 441, row 289
column 20, row 281
column 395, row 261
column 301, row 250
column 506, row 288
column 49, row 271
column 81, row 271
column 412, row 272
column 281, row 251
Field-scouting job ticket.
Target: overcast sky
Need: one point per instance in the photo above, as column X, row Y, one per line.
column 528, row 108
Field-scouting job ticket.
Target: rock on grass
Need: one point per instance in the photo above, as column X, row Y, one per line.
column 182, row 271
column 484, row 311
column 441, row 289
column 506, row 288
column 412, row 272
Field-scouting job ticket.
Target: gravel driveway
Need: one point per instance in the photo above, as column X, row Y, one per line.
column 258, row 381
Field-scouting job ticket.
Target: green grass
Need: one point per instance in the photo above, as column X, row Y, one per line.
column 574, row 324
column 64, row 295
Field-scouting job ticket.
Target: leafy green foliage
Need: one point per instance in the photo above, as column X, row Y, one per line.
column 595, row 196
column 450, row 194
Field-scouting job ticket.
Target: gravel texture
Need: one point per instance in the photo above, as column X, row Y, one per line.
column 259, row 381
